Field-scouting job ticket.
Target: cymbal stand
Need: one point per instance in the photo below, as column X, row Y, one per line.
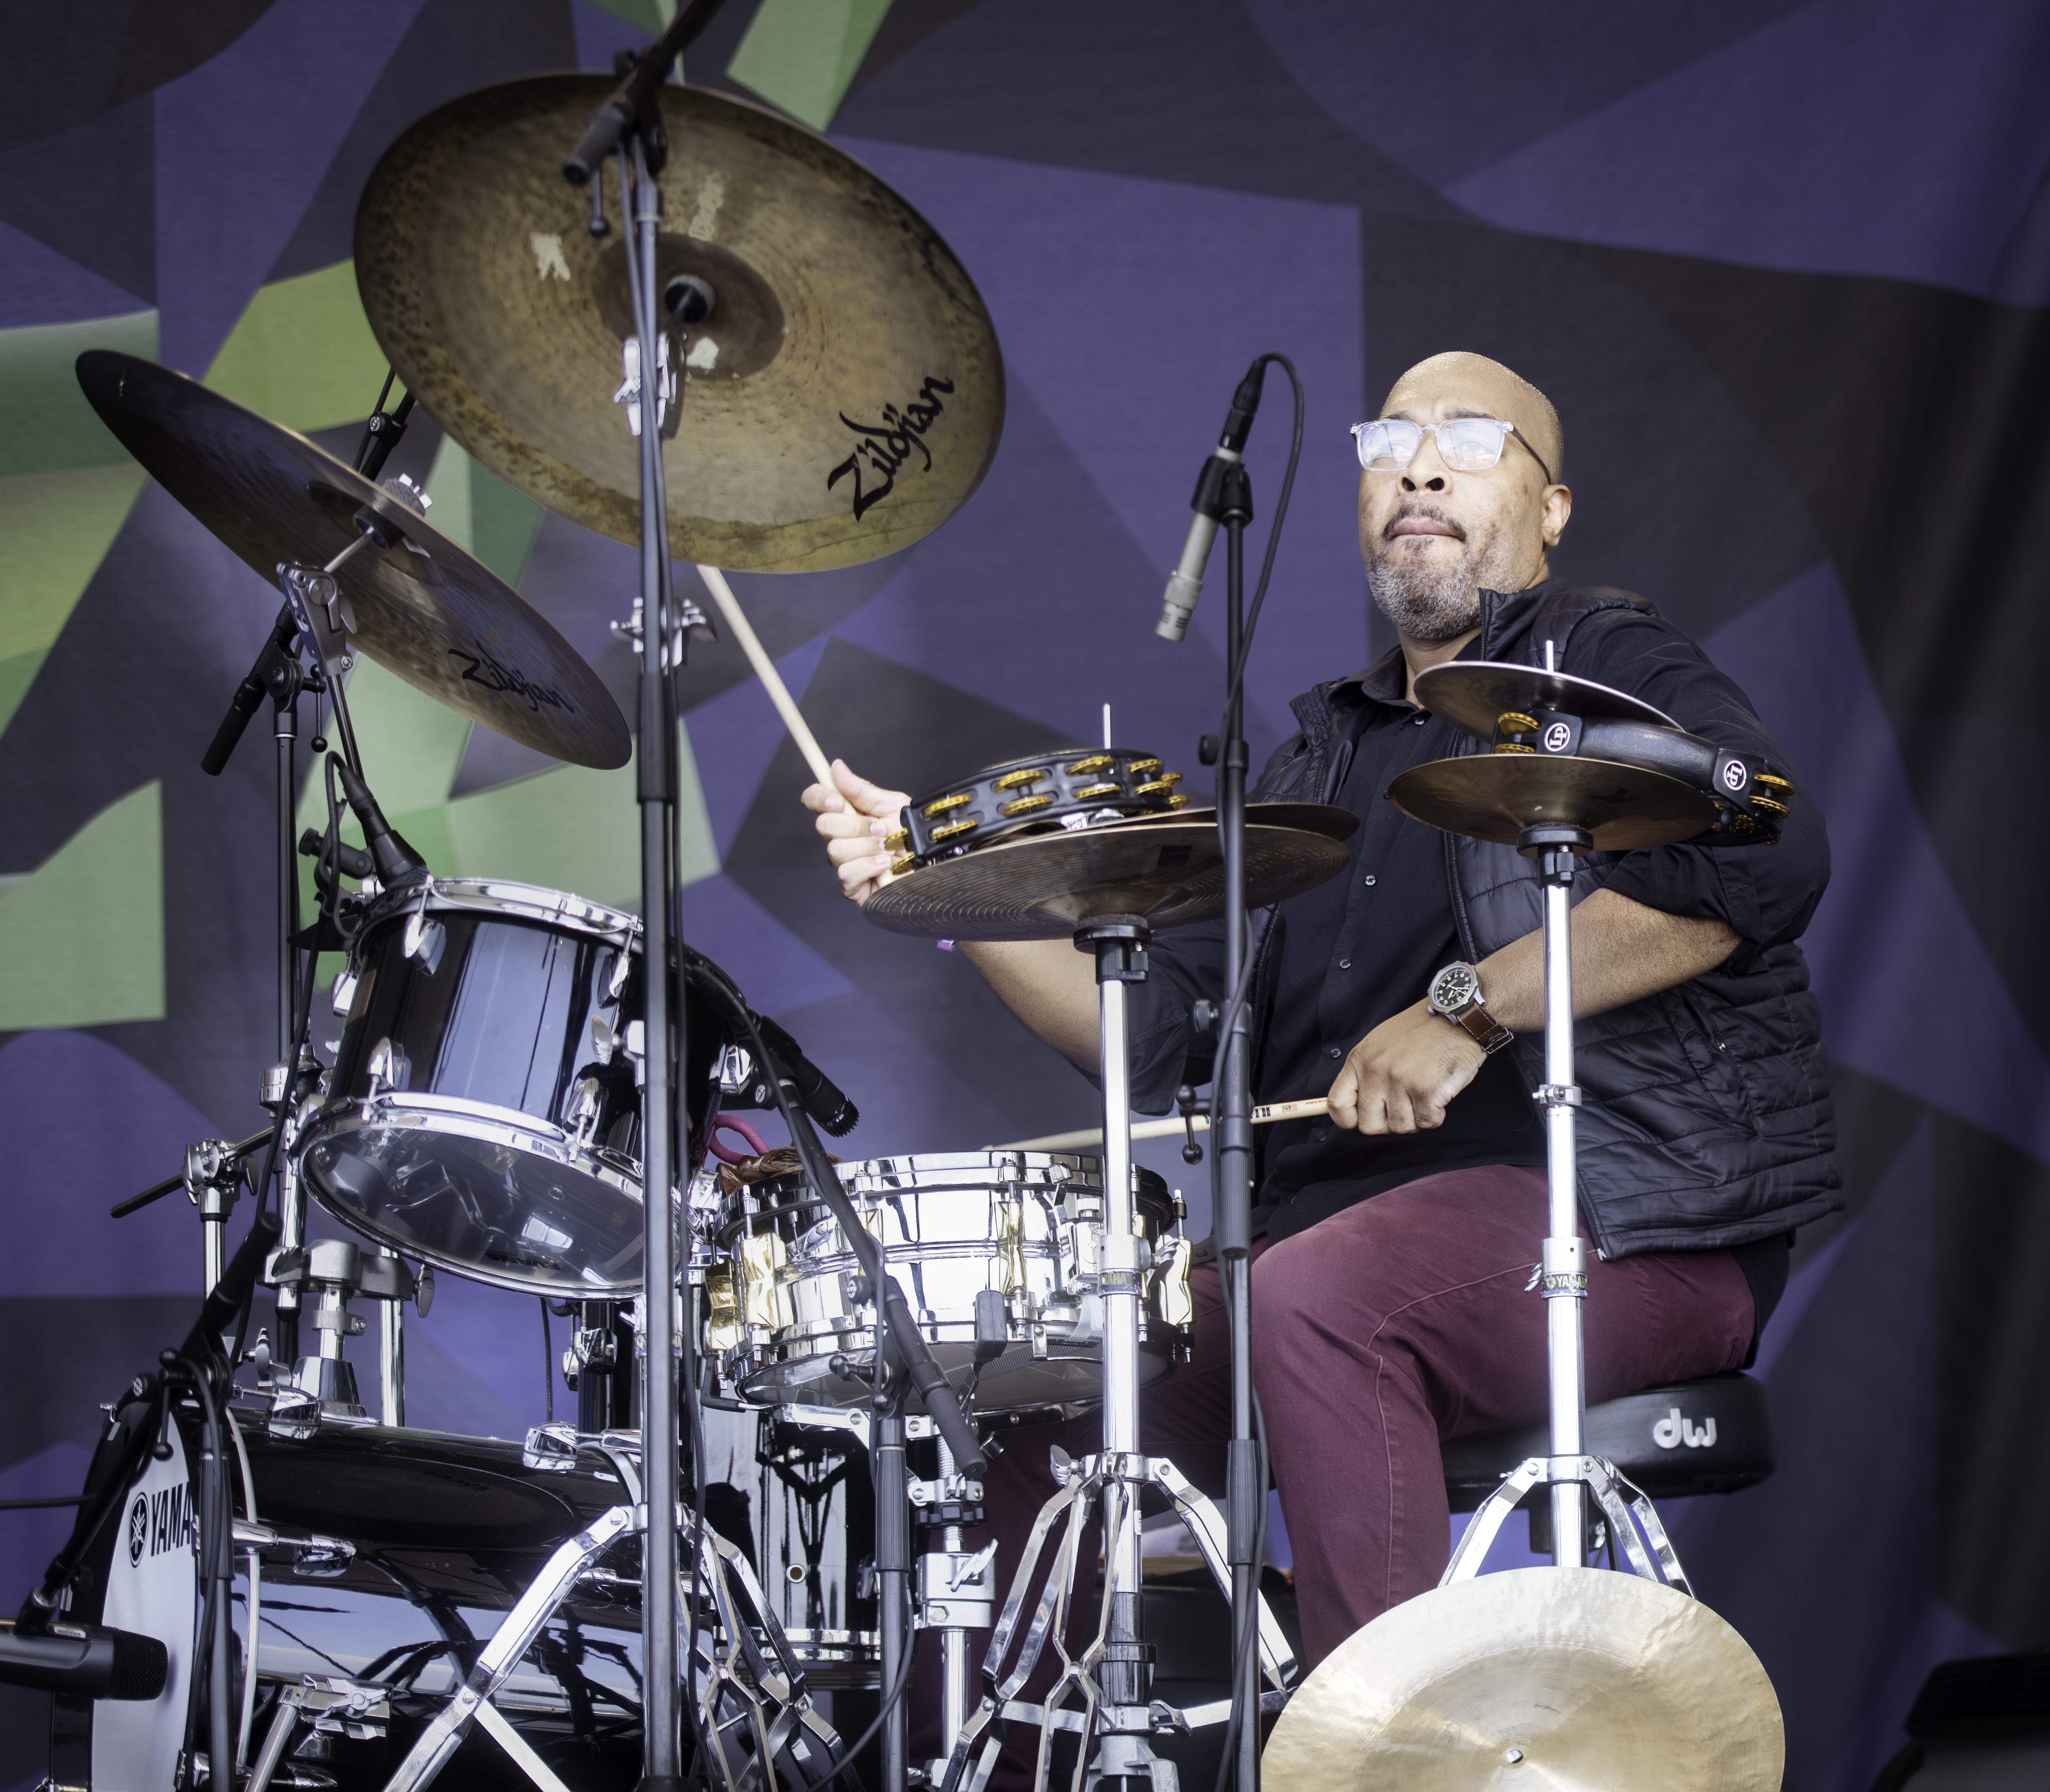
column 1570, row 1473
column 1112, row 1675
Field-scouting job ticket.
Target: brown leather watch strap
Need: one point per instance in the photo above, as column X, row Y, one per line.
column 1488, row 1032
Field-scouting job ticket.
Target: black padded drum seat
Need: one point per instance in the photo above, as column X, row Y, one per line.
column 1683, row 1438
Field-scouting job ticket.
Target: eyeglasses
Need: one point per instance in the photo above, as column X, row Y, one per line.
column 1465, row 444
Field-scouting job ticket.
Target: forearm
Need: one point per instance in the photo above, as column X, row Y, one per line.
column 1048, row 985
column 1622, row 952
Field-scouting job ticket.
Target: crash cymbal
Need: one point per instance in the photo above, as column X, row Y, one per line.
column 1575, row 1680
column 423, row 608
column 841, row 400
column 1043, row 886
column 1495, row 795
column 1471, row 694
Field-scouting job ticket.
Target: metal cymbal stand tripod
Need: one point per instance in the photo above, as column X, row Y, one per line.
column 1570, row 1473
column 1112, row 1675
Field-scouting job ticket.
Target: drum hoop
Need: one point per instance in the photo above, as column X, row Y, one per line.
column 500, row 897
column 403, row 1111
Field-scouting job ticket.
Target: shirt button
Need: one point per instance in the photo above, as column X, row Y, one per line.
column 1419, row 719
column 1336, row 1053
column 1345, row 964
column 1369, row 880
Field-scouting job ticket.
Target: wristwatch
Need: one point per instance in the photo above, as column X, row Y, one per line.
column 1455, row 994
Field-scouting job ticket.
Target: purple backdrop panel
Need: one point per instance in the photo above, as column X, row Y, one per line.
column 775, row 970
column 1941, row 1634
column 735, row 737
column 44, row 287
column 1909, row 992
column 1130, row 308
column 83, row 1126
column 1901, row 137
column 1852, row 1508
column 1543, row 67
column 242, row 144
column 1037, row 596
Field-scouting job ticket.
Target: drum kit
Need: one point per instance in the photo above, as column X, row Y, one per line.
column 271, row 1583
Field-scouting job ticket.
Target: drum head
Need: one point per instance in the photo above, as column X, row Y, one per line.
column 487, row 1198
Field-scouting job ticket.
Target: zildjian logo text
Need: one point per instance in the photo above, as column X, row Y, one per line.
column 480, row 669
column 884, row 447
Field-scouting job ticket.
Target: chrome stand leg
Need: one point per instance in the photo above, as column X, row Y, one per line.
column 1569, row 1475
column 391, row 1360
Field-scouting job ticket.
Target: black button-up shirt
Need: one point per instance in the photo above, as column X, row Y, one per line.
column 1358, row 948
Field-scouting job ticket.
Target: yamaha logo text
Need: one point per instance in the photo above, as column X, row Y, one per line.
column 160, row 1522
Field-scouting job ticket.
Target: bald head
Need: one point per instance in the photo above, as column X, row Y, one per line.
column 1433, row 536
column 1505, row 393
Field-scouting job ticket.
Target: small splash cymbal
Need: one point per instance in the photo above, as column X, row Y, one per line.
column 1043, row 886
column 1575, row 1680
column 1471, row 694
column 422, row 608
column 841, row 398
column 1495, row 795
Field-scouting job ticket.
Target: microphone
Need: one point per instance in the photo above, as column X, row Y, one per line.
column 396, row 861
column 1185, row 585
column 88, row 1661
column 815, row 1092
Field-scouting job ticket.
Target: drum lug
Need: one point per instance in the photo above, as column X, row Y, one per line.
column 550, row 1449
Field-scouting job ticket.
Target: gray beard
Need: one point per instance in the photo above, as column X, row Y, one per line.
column 1426, row 605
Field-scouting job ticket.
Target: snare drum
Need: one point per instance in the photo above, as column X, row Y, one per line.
column 482, row 1111
column 788, row 1314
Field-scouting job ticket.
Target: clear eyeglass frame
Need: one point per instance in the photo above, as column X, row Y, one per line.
column 1465, row 444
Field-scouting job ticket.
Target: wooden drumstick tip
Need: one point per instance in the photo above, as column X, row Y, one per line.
column 1088, row 1140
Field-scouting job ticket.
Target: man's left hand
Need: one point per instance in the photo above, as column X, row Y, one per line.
column 1400, row 1077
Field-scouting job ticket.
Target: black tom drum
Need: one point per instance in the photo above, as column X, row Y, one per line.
column 482, row 1111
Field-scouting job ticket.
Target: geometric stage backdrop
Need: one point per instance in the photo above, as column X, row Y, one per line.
column 1783, row 268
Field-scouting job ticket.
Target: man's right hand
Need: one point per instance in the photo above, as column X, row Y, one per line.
column 853, row 819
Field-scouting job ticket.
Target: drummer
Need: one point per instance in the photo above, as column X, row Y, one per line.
column 1395, row 1239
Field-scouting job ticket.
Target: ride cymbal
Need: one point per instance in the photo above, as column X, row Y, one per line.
column 1472, row 694
column 422, row 608
column 1043, row 886
column 1495, row 795
column 840, row 401
column 1575, row 1680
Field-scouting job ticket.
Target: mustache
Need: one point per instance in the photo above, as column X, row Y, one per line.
column 1429, row 513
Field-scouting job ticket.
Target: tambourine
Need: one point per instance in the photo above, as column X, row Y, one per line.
column 1064, row 790
column 1752, row 798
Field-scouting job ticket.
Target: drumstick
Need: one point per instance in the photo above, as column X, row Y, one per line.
column 765, row 669
column 1168, row 1129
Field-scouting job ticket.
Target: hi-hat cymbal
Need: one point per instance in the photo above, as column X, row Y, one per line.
column 1043, row 886
column 423, row 608
column 1470, row 694
column 1575, row 1680
column 841, row 400
column 1495, row 795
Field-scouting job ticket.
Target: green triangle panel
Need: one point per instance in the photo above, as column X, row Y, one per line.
column 801, row 55
column 301, row 353
column 50, row 427
column 82, row 936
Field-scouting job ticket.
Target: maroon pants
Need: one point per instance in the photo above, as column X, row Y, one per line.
column 1389, row 1327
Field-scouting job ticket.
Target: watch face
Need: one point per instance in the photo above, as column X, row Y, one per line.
column 1455, row 986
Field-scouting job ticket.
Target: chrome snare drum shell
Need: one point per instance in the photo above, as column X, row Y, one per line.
column 482, row 1112
column 1028, row 1224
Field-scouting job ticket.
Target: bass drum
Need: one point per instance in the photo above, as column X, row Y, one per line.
column 798, row 1501
column 386, row 1560
column 482, row 1112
